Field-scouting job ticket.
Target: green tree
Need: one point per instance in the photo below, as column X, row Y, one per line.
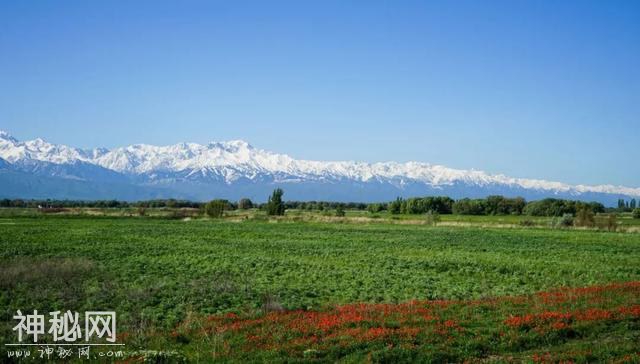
column 395, row 206
column 215, row 208
column 374, row 207
column 245, row 204
column 636, row 213
column 340, row 211
column 275, row 206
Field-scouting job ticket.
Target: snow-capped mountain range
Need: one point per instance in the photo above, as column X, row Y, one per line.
column 235, row 169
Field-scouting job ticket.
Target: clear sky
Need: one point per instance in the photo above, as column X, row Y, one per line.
column 543, row 89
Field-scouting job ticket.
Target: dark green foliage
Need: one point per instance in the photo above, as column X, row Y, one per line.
column 245, row 204
column 626, row 206
column 565, row 221
column 326, row 205
column 558, row 207
column 421, row 205
column 375, row 207
column 215, row 208
column 275, row 206
column 492, row 205
column 500, row 205
column 636, row 213
column 395, row 207
column 340, row 211
column 171, row 203
column 468, row 206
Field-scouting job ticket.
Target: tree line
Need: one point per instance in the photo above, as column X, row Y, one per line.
column 491, row 205
column 626, row 206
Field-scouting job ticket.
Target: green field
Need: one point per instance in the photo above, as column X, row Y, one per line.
column 157, row 273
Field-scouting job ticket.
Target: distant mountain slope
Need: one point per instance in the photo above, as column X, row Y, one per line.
column 38, row 169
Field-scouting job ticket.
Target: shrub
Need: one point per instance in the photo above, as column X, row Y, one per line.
column 636, row 213
column 340, row 211
column 215, row 208
column 374, row 207
column 566, row 220
column 609, row 223
column 585, row 218
column 432, row 217
column 142, row 211
column 612, row 222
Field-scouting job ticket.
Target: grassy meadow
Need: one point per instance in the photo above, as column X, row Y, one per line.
column 318, row 288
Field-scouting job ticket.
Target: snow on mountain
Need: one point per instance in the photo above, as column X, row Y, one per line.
column 234, row 161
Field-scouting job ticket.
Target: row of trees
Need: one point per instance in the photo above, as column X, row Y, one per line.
column 624, row 205
column 492, row 205
column 171, row 203
column 274, row 207
column 417, row 205
column 558, row 207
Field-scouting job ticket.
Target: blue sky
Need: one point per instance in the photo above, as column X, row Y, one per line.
column 541, row 89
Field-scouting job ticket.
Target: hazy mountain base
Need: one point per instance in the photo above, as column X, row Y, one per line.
column 66, row 182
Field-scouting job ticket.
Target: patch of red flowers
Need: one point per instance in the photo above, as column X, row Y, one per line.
column 417, row 324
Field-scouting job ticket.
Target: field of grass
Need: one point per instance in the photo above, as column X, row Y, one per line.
column 207, row 288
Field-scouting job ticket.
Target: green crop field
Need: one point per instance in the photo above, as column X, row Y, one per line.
column 168, row 280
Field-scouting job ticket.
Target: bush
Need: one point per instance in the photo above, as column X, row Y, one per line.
column 612, row 222
column 562, row 222
column 374, row 207
column 636, row 213
column 585, row 218
column 340, row 211
column 609, row 223
column 215, row 208
column 432, row 217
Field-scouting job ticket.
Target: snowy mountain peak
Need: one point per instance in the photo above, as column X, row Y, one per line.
column 230, row 146
column 6, row 136
column 236, row 161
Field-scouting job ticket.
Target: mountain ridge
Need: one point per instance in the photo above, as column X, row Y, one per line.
column 217, row 169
